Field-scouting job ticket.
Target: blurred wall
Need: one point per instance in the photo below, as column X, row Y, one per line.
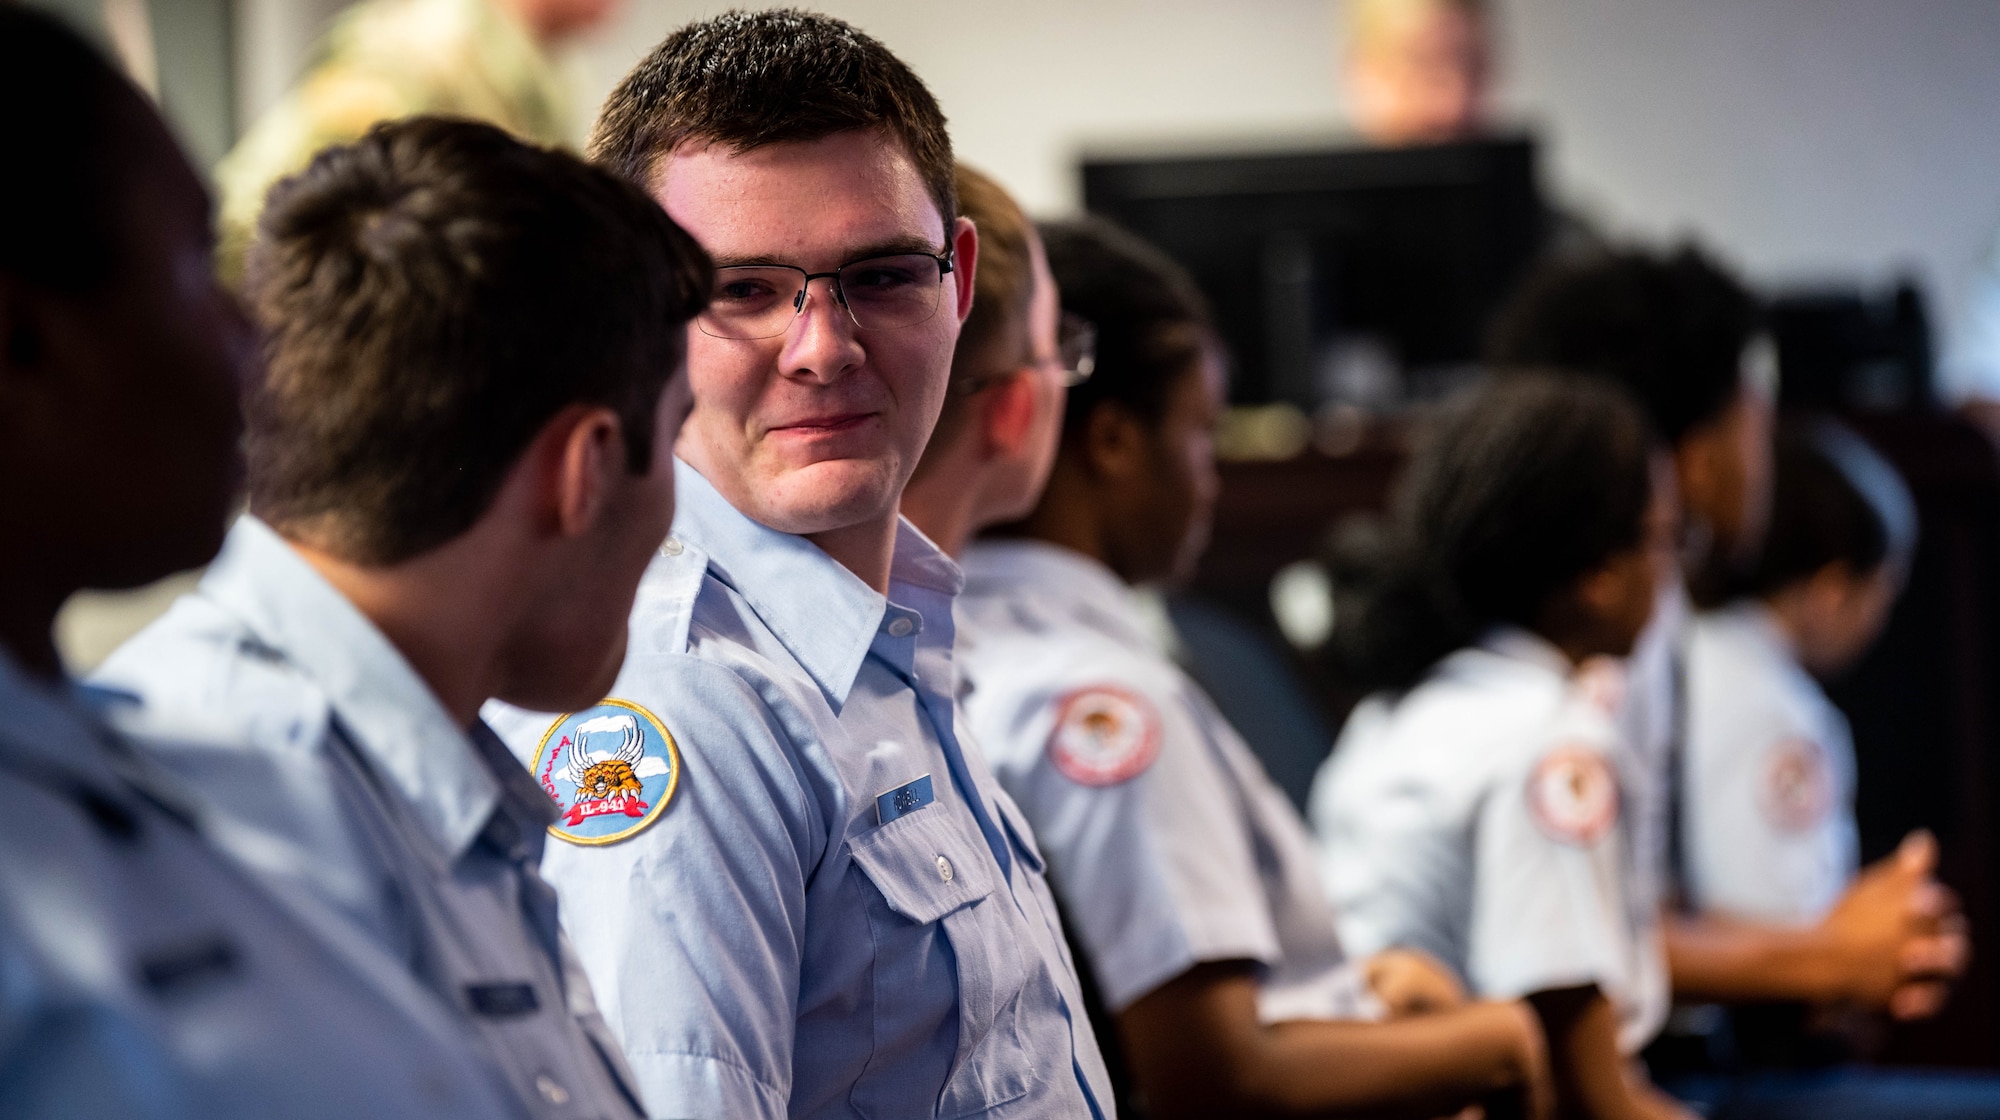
column 1805, row 138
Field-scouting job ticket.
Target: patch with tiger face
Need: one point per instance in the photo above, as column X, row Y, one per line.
column 611, row 769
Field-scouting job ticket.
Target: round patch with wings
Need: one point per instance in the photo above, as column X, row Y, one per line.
column 1103, row 736
column 1573, row 795
column 611, row 769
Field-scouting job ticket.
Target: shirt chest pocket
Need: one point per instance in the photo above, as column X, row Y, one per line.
column 944, row 905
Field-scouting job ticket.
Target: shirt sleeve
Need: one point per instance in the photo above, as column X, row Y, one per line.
column 1547, row 908
column 692, row 931
column 1144, row 838
column 1770, row 823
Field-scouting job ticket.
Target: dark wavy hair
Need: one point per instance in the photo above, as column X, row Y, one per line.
column 1669, row 328
column 1519, row 487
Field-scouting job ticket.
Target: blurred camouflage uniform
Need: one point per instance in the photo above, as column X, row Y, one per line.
column 392, row 58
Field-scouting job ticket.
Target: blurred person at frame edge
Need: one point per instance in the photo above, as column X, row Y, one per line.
column 489, row 60
column 148, row 975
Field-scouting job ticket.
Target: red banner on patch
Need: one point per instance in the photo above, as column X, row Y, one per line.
column 584, row 810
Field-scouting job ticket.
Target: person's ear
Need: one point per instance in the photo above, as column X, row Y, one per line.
column 1007, row 414
column 1115, row 443
column 1831, row 588
column 964, row 263
column 587, row 462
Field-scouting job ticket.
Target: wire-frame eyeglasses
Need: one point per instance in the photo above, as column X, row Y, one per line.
column 884, row 293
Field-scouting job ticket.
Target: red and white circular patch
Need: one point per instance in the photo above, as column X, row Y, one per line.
column 1104, row 736
column 1573, row 795
column 1798, row 785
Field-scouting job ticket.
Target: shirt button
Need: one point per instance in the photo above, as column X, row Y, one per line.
column 900, row 627
column 944, row 869
column 670, row 547
column 551, row 1090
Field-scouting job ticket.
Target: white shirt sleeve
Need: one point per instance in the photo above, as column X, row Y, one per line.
column 1154, row 868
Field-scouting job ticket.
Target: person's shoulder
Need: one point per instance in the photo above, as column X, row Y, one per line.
column 197, row 677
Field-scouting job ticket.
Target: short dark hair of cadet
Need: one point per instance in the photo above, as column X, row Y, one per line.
column 1152, row 322
column 1834, row 500
column 58, row 209
column 433, row 294
column 745, row 80
column 1670, row 328
column 993, row 339
column 1519, row 487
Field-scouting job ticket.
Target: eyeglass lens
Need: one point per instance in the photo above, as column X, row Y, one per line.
column 881, row 293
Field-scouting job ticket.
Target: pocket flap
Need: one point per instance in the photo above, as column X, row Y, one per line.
column 924, row 868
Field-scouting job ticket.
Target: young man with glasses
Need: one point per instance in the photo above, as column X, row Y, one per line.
column 839, row 913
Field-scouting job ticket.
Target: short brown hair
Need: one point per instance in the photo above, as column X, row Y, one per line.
column 995, row 335
column 433, row 294
column 749, row 79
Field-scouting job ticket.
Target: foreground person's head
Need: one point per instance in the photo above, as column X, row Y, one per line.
column 792, row 145
column 1136, row 461
column 995, row 441
column 119, row 354
column 474, row 349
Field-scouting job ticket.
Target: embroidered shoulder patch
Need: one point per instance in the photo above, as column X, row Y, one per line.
column 1797, row 791
column 1573, row 796
column 611, row 769
column 1104, row 736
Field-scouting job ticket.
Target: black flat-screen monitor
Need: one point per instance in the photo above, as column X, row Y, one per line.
column 1356, row 274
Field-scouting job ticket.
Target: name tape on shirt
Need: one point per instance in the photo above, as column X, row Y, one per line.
column 1797, row 789
column 611, row 769
column 1573, row 796
column 904, row 799
column 1103, row 736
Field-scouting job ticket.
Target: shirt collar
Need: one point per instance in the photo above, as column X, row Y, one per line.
column 43, row 719
column 1073, row 583
column 390, row 714
column 1518, row 644
column 1758, row 621
column 823, row 614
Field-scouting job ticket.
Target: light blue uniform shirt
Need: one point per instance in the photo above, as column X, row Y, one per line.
column 1770, row 775
column 1171, row 846
column 334, row 770
column 148, row 977
column 767, row 945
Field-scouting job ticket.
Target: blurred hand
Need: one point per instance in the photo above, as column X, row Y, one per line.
column 1411, row 982
column 1897, row 937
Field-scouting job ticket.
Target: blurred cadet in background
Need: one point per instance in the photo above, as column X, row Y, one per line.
column 148, row 975
column 1186, row 876
column 842, row 914
column 1770, row 760
column 1016, row 358
column 1682, row 337
column 383, row 59
column 461, row 461
column 1770, row 775
column 1418, row 71
column 1473, row 810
